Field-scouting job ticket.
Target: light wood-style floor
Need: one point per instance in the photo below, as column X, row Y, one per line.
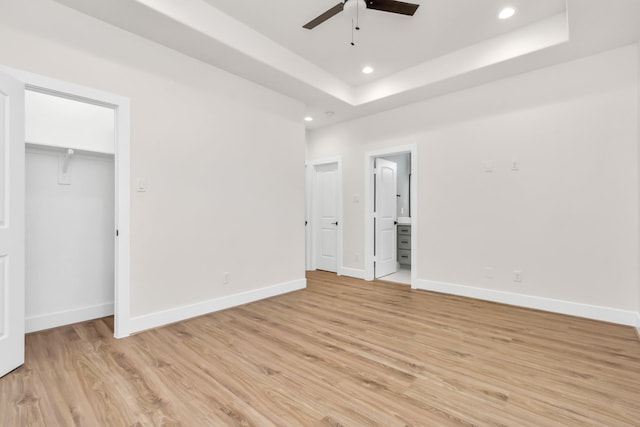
column 343, row 352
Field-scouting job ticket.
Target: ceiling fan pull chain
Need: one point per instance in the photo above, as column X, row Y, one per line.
column 357, row 15
column 352, row 43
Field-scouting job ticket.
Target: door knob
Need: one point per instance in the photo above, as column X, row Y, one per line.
column 335, row 223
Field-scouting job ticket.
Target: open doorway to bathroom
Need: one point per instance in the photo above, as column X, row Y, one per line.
column 401, row 272
column 391, row 220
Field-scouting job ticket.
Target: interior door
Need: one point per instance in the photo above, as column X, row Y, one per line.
column 386, row 216
column 11, row 224
column 326, row 223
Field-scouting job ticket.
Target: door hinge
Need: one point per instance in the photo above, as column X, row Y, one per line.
column 117, row 233
column 375, row 258
column 375, row 171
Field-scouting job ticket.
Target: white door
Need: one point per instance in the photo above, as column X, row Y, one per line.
column 11, row 224
column 385, row 219
column 325, row 200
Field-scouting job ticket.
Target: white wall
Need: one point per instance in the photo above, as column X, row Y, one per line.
column 69, row 239
column 223, row 159
column 403, row 170
column 67, row 123
column 568, row 218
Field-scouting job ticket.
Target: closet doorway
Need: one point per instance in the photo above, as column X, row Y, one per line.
column 69, row 160
column 69, row 211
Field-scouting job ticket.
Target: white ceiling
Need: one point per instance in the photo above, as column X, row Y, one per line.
column 389, row 42
column 447, row 45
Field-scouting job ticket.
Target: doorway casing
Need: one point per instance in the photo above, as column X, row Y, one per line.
column 122, row 110
column 369, row 194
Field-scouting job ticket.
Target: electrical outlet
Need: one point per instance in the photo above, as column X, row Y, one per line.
column 517, row 276
column 225, row 278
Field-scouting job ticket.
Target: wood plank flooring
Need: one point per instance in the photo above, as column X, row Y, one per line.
column 343, row 352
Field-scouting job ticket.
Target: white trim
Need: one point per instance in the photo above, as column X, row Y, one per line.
column 122, row 325
column 154, row 320
column 33, row 147
column 311, row 172
column 353, row 272
column 67, row 317
column 369, row 158
column 308, row 262
column 121, row 106
column 607, row 314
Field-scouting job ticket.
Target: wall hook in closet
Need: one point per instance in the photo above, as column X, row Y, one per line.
column 64, row 176
column 67, row 157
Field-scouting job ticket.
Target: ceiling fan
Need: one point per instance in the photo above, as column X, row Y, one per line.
column 392, row 6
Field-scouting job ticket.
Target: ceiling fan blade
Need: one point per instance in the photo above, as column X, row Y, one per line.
column 328, row 14
column 393, row 6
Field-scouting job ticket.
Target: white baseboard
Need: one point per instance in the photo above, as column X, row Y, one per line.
column 154, row 320
column 607, row 314
column 352, row 272
column 67, row 317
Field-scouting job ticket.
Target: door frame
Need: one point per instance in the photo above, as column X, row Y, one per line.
column 122, row 162
column 310, row 247
column 369, row 206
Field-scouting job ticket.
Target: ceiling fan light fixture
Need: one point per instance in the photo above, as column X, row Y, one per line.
column 367, row 70
column 506, row 13
column 351, row 7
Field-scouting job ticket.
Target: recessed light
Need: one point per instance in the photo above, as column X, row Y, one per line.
column 367, row 70
column 308, row 119
column 506, row 13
